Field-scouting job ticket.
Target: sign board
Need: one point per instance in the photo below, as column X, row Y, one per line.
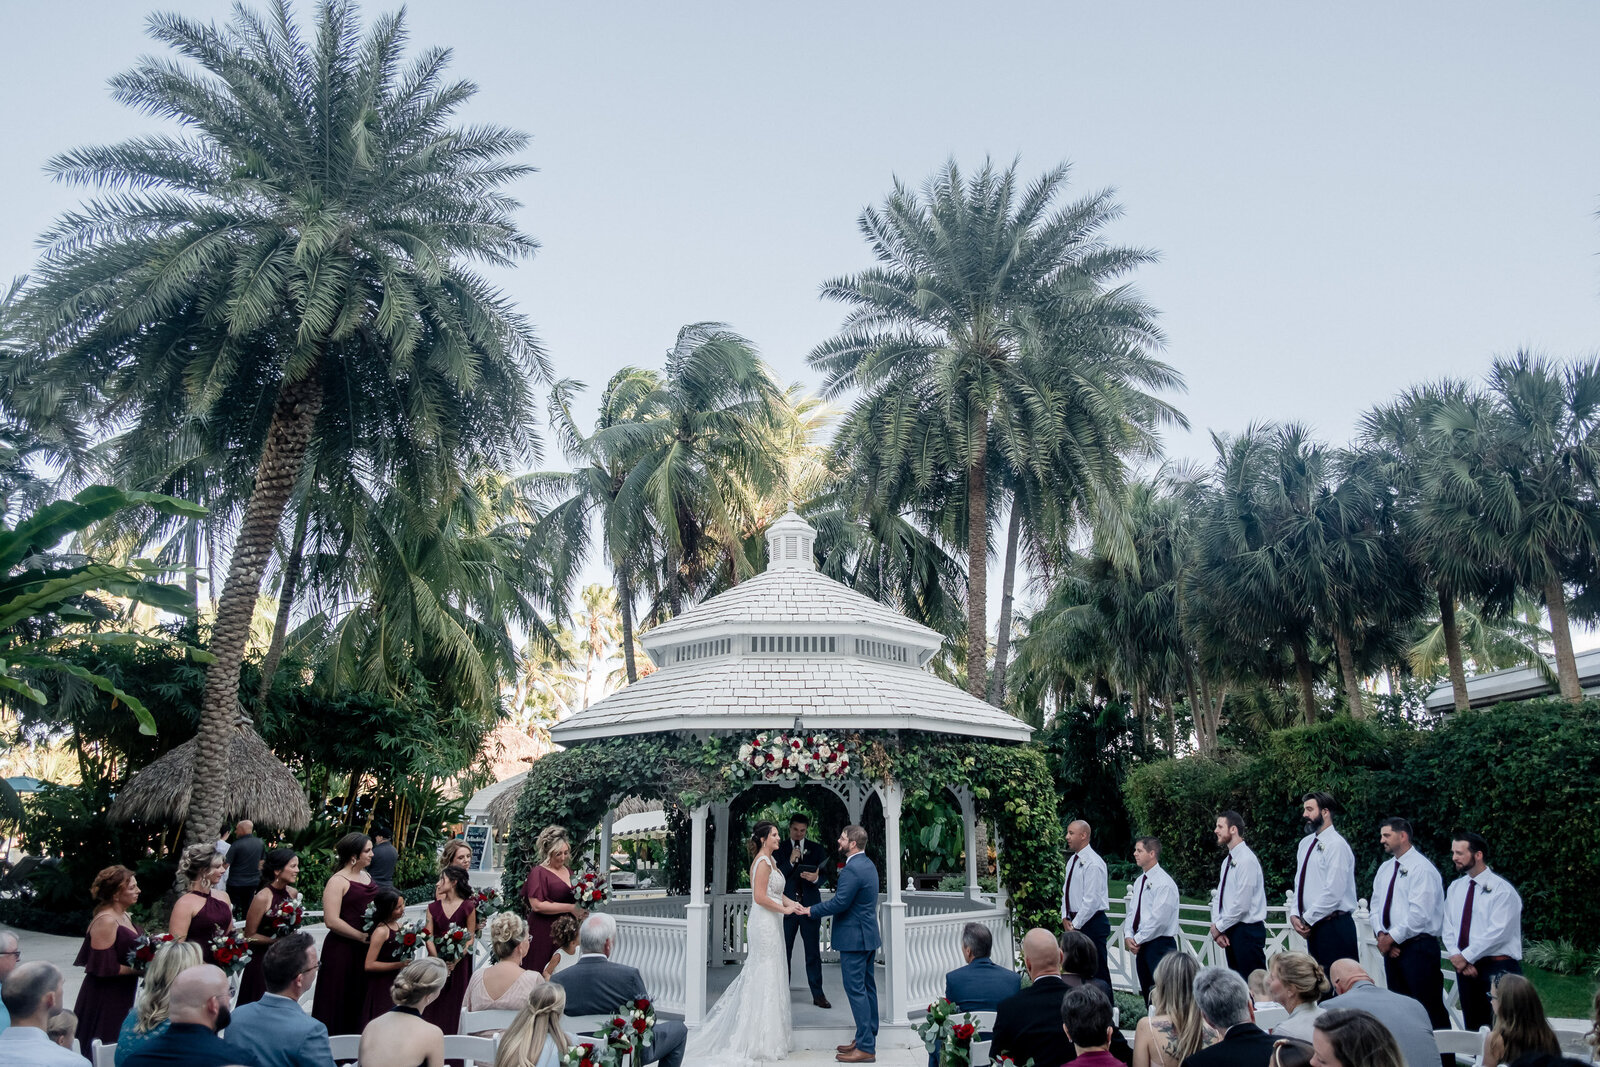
column 478, row 840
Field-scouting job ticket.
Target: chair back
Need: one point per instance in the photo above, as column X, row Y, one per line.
column 102, row 1055
column 1267, row 1018
column 344, row 1046
column 475, row 1022
column 983, row 1020
column 583, row 1025
column 473, row 1050
column 980, row 1048
column 1461, row 1042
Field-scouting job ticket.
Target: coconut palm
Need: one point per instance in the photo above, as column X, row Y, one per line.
column 296, row 263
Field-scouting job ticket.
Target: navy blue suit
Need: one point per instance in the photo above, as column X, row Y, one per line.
column 979, row 986
column 807, row 893
column 188, row 1045
column 855, row 936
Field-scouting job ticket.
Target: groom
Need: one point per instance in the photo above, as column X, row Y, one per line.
column 855, row 936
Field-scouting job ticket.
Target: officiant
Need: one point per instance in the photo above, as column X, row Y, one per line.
column 805, row 866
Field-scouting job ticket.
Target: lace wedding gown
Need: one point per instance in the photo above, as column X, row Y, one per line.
column 750, row 1021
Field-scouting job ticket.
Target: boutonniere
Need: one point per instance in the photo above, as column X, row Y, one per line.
column 1485, row 891
column 1319, row 846
column 1404, row 873
column 1232, row 863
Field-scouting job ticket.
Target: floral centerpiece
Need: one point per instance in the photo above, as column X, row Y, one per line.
column 590, row 890
column 589, row 1054
column 791, row 757
column 144, row 950
column 282, row 919
column 230, row 950
column 452, row 944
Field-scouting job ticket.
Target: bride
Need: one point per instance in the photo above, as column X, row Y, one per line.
column 750, row 1021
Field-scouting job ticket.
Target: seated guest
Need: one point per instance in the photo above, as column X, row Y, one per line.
column 1404, row 1016
column 503, row 985
column 595, row 986
column 198, row 1008
column 1520, row 1026
column 31, row 994
column 1080, row 963
column 1349, row 1037
column 62, row 1027
column 400, row 1035
column 1297, row 983
column 1224, row 1002
column 1027, row 1024
column 1086, row 1020
column 1257, row 981
column 1287, row 1052
column 979, row 985
column 1172, row 1032
column 148, row 1019
column 275, row 1028
column 535, row 1037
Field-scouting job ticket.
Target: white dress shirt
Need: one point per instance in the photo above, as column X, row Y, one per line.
column 29, row 1046
column 1328, row 866
column 1241, row 892
column 1085, row 891
column 1496, row 928
column 1417, row 907
column 1155, row 904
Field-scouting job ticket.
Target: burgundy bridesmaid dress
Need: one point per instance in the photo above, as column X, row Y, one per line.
column 341, row 980
column 379, row 997
column 214, row 917
column 445, row 1012
column 548, row 887
column 106, row 996
column 253, row 982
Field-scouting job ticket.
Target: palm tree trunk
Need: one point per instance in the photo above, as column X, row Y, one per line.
column 978, row 561
column 1302, row 668
column 1452, row 648
column 1008, row 584
column 191, row 581
column 1201, row 742
column 288, row 437
column 1347, row 670
column 625, row 601
column 1555, row 602
column 290, row 586
column 1172, row 726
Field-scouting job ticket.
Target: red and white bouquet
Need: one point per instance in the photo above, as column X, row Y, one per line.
column 486, row 902
column 589, row 1054
column 633, row 1026
column 144, row 950
column 409, row 938
column 282, row 919
column 790, row 757
column 590, row 890
column 452, row 944
column 231, row 951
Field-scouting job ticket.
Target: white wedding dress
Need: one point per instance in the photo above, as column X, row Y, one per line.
column 750, row 1021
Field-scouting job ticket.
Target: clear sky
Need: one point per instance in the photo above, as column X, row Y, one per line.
column 1346, row 198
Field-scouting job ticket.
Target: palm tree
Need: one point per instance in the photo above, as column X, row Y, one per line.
column 599, row 625
column 295, row 262
column 990, row 318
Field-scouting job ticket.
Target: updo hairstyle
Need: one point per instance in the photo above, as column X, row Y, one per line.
column 1301, row 974
column 419, row 980
column 276, row 861
column 549, row 838
column 759, row 834
column 197, row 860
column 458, row 881
column 506, row 932
column 108, row 883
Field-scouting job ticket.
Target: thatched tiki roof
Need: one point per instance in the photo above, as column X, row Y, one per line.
column 260, row 787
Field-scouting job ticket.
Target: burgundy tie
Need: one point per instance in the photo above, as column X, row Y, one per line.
column 1138, row 905
column 1066, row 893
column 1466, row 916
column 1222, row 890
column 1300, row 889
column 1388, row 899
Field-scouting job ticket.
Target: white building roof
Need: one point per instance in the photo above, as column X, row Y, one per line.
column 1516, row 683
column 791, row 643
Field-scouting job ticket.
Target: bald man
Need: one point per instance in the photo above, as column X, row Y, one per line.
column 198, row 1008
column 244, row 865
column 1085, row 894
column 1404, row 1016
column 1027, row 1025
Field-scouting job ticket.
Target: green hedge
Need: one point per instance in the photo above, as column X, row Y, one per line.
column 1526, row 776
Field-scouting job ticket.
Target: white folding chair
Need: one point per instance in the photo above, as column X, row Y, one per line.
column 1575, row 1043
column 980, row 1050
column 102, row 1055
column 1461, row 1043
column 583, row 1025
column 983, row 1020
column 1267, row 1018
column 476, row 1022
column 344, row 1046
column 471, row 1049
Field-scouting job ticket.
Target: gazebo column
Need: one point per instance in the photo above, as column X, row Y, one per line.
column 697, row 947
column 898, row 978
column 719, row 881
column 605, row 843
column 969, row 829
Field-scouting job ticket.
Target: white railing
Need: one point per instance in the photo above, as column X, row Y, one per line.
column 933, row 947
column 648, row 907
column 659, row 948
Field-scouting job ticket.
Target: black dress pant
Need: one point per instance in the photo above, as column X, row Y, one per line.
column 1333, row 938
column 1098, row 930
column 241, row 895
column 1247, row 948
column 1474, row 992
column 1148, row 958
column 810, row 931
column 1416, row 973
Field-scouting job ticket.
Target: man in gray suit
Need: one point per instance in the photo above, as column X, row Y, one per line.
column 275, row 1029
column 1404, row 1017
column 596, row 986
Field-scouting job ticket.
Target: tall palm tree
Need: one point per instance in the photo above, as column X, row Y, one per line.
column 991, row 315
column 298, row 259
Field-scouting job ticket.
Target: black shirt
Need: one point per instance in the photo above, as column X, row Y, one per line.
column 244, row 861
column 381, row 869
column 190, row 1045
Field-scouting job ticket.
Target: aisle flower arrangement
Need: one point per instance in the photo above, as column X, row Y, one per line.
column 589, row 1054
column 947, row 1032
column 791, row 757
column 632, row 1028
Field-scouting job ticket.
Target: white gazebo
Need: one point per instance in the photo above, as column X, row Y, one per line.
column 785, row 647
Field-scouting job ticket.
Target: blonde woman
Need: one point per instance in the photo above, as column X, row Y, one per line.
column 503, row 985
column 148, row 1019
column 399, row 1036
column 1173, row 1031
column 204, row 912
column 534, row 1038
column 548, row 893
column 1297, row 982
column 456, row 853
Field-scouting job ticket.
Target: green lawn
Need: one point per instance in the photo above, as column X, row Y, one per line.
column 1569, row 996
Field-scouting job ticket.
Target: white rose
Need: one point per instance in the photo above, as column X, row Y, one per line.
column 744, row 751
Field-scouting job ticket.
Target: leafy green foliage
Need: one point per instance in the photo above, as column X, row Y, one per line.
column 1558, row 956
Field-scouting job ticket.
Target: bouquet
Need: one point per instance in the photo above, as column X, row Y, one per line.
column 409, row 938
column 790, row 757
column 932, row 1029
column 282, row 919
column 958, row 1050
column 369, row 918
column 486, row 902
column 590, row 890
column 452, row 945
column 144, row 951
column 632, row 1027
column 231, row 951
column 589, row 1054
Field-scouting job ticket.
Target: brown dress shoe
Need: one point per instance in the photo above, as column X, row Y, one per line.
column 848, row 1047
column 855, row 1055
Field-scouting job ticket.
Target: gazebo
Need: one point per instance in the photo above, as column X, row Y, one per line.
column 793, row 650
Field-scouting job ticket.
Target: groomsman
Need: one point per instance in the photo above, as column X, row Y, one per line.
column 1151, row 929
column 1085, row 895
column 1239, row 913
column 1482, row 927
column 803, row 864
column 1324, row 886
column 1407, row 909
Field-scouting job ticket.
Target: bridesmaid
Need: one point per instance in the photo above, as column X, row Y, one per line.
column 548, row 892
column 109, row 984
column 204, row 911
column 456, row 853
column 341, row 986
column 450, row 906
column 281, row 870
column 383, row 961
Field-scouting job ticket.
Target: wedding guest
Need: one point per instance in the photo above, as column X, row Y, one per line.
column 244, row 865
column 1085, row 895
column 109, row 984
column 564, row 935
column 274, row 1028
column 597, row 985
column 1407, row 910
column 535, row 1038
column 1026, row 1025
column 1406, row 1019
column 384, row 858
column 203, row 912
column 62, row 1028
column 1238, row 915
column 1224, row 1003
column 548, row 892
column 1080, row 958
column 150, row 1016
column 31, row 994
column 1151, row 929
column 981, row 984
column 456, row 853
column 1287, row 1052
column 1482, row 927
column 399, row 1036
column 451, row 907
column 281, row 869
column 1173, row 1031
column 385, row 958
column 1087, row 1021
column 1298, row 984
column 1324, row 885
column 1520, row 1025
column 503, row 985
column 10, row 956
column 341, row 986
column 1257, row 981
column 199, row 1008
column 1353, row 1038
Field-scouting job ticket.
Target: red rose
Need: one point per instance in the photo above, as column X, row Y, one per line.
column 963, row 1031
column 642, row 1004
